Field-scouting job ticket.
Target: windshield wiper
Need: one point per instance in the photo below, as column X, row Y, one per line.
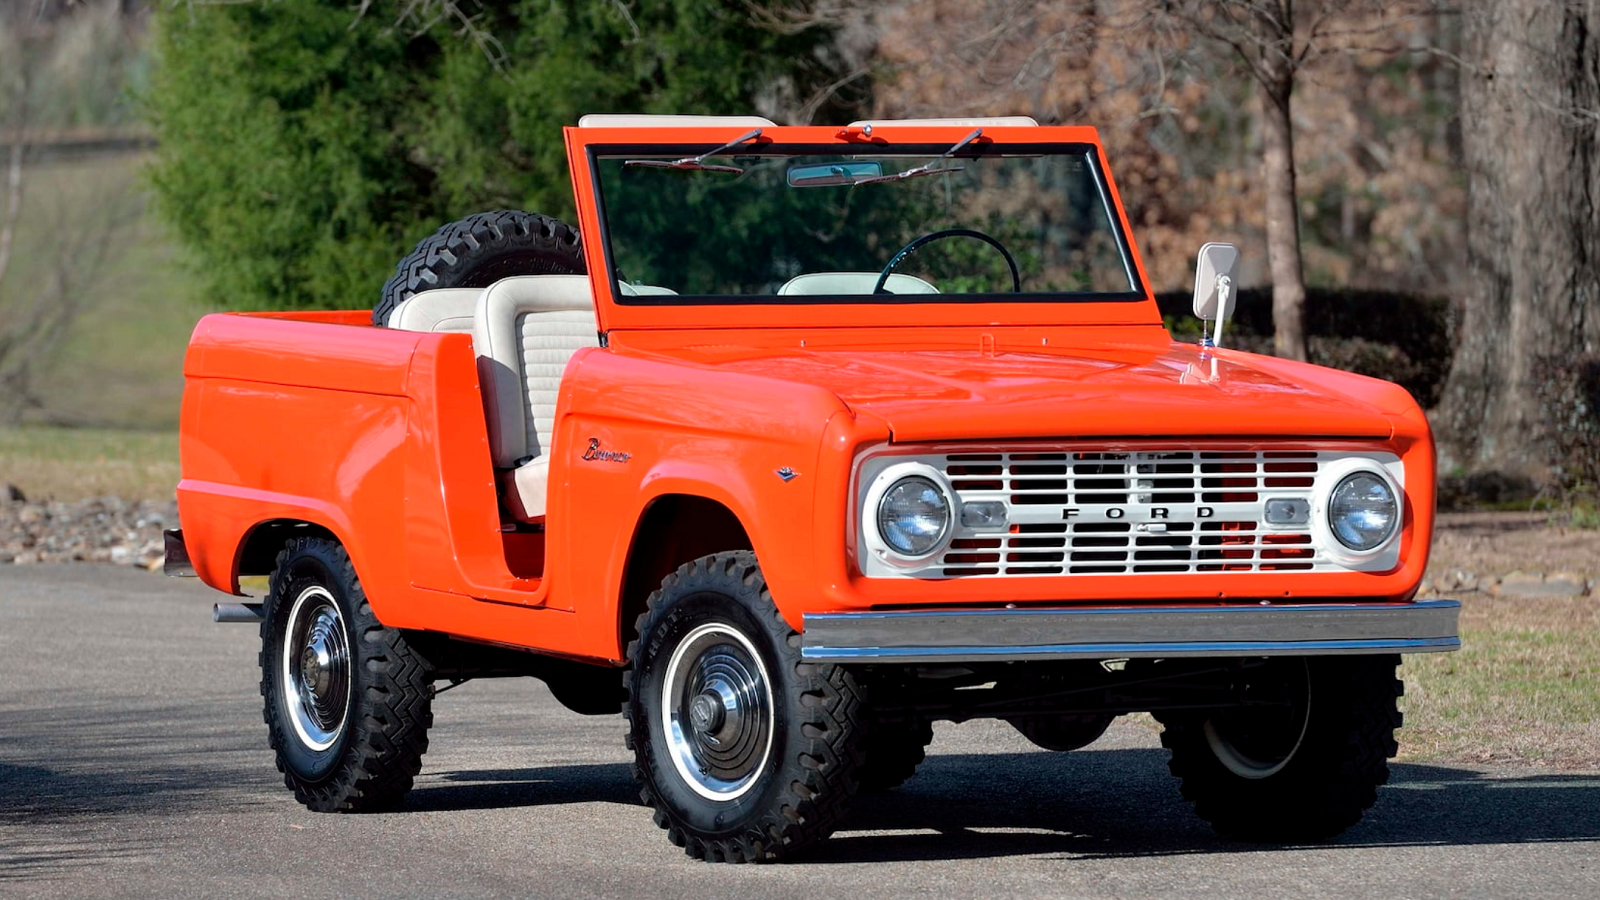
column 697, row 163
column 926, row 168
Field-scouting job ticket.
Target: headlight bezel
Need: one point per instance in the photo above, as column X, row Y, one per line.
column 1386, row 554
column 869, row 513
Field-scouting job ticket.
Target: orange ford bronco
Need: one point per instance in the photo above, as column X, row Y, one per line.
column 816, row 436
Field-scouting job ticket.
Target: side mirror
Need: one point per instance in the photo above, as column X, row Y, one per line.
column 1214, row 282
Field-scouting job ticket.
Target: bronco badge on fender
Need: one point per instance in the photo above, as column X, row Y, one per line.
column 596, row 453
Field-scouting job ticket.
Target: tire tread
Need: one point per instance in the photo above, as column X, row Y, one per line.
column 392, row 712
column 447, row 257
column 816, row 799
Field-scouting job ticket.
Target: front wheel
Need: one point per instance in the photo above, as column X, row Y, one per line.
column 746, row 752
column 348, row 703
column 1303, row 761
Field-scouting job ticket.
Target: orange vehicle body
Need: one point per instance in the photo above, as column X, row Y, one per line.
column 378, row 437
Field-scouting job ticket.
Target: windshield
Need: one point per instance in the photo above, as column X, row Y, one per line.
column 987, row 223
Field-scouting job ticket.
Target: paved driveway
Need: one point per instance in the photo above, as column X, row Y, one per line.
column 133, row 763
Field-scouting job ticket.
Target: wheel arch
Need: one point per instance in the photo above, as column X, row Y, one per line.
column 673, row 529
column 258, row 549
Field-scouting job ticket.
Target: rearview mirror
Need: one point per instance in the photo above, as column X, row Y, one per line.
column 829, row 174
column 1214, row 289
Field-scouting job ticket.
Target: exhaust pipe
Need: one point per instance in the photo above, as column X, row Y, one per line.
column 249, row 613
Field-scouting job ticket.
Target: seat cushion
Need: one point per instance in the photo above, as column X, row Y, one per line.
column 524, row 331
column 441, row 309
column 526, row 487
column 853, row 283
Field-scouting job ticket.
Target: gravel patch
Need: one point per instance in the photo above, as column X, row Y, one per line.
column 100, row 529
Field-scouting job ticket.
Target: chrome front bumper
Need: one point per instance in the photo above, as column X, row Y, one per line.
column 1301, row 629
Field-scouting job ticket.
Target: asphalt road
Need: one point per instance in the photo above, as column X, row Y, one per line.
column 133, row 763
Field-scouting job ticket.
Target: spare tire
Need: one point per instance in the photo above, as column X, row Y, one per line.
column 481, row 249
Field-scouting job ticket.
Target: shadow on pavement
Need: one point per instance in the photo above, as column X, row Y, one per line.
column 1089, row 804
column 1122, row 803
column 65, row 765
column 505, row 788
column 35, row 798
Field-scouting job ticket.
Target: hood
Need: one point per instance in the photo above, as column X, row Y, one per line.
column 1133, row 391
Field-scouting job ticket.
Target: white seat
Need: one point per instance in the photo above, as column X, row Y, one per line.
column 441, row 309
column 852, row 283
column 646, row 290
column 524, row 331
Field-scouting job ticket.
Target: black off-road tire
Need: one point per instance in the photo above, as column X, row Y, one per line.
column 891, row 753
column 1330, row 779
column 378, row 749
column 478, row 251
column 799, row 792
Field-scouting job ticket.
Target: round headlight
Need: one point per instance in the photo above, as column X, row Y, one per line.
column 1362, row 511
column 913, row 516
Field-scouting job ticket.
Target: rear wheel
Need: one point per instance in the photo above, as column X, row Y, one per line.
column 1304, row 761
column 745, row 751
column 347, row 702
column 478, row 251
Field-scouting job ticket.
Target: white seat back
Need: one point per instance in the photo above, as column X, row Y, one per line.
column 441, row 309
column 524, row 330
column 852, row 283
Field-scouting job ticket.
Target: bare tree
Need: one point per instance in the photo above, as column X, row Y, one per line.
column 1277, row 41
column 79, row 234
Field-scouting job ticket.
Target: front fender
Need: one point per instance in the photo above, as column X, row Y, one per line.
column 658, row 428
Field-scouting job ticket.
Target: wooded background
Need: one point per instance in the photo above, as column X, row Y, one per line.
column 1413, row 183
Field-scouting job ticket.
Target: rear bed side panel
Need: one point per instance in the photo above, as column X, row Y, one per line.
column 294, row 420
column 388, row 451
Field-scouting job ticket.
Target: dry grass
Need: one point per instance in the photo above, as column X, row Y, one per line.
column 75, row 463
column 1525, row 688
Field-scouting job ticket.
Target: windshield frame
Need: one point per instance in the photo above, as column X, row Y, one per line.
column 918, row 150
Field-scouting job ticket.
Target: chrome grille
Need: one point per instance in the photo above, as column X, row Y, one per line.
column 1137, row 512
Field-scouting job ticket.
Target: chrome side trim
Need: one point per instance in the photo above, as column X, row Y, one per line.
column 1301, row 629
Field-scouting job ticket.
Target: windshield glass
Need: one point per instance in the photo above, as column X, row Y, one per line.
column 989, row 223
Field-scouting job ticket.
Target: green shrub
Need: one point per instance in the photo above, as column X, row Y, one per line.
column 304, row 148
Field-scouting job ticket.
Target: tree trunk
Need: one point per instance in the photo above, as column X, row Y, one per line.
column 1529, row 106
column 1283, row 219
column 13, row 202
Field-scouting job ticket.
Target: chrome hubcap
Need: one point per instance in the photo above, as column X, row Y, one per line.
column 717, row 711
column 316, row 668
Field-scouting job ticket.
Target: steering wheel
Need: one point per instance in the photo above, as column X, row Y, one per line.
column 930, row 237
